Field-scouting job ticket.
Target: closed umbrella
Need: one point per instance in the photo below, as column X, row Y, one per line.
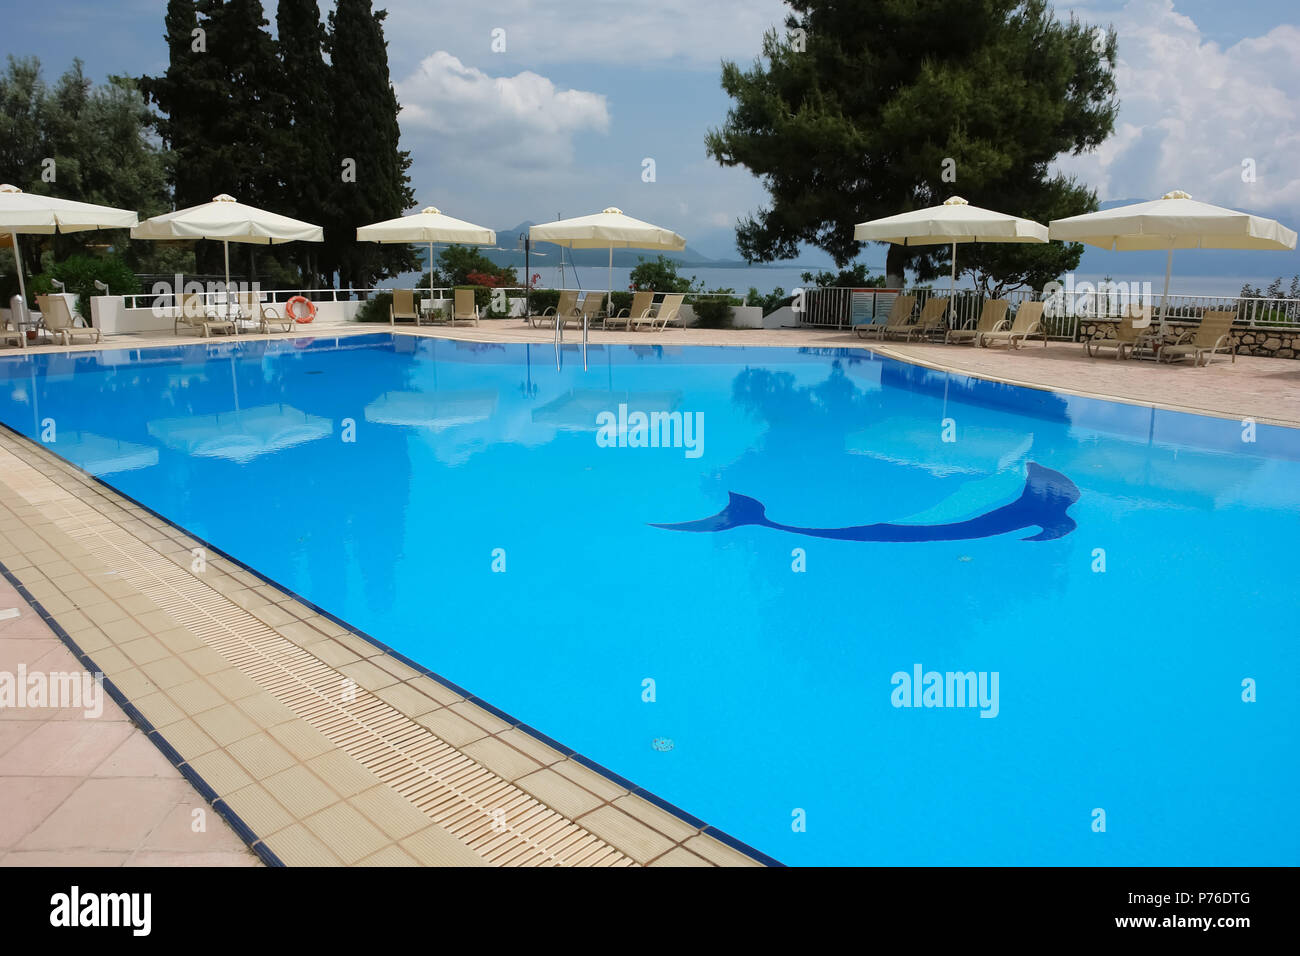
column 1174, row 221
column 608, row 229
column 428, row 225
column 31, row 213
column 228, row 220
column 953, row 221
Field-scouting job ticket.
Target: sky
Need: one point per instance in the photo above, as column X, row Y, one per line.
column 562, row 120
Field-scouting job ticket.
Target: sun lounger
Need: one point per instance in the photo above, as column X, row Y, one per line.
column 642, row 306
column 566, row 306
column 1028, row 323
column 669, row 310
column 899, row 314
column 992, row 314
column 593, row 308
column 1214, row 334
column 193, row 314
column 1132, row 326
column 933, row 319
column 403, row 307
column 463, row 307
column 54, row 311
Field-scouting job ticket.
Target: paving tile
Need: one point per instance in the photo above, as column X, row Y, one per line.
column 670, row 826
column 225, row 724
column 628, row 834
column 28, row 801
column 261, row 811
column 64, row 748
column 296, row 846
column 106, row 814
column 500, row 758
column 558, row 792
column 300, row 791
column 434, row 846
column 451, row 727
column 390, row 811
column 346, row 832
column 679, row 857
column 261, row 756
column 717, row 852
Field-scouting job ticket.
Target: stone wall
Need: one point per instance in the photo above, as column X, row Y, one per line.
column 1272, row 342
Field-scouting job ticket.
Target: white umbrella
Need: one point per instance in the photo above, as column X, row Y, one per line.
column 954, row 221
column 1174, row 221
column 608, row 229
column 428, row 225
column 229, row 221
column 31, row 213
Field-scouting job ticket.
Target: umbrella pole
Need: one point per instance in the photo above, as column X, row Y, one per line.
column 22, row 290
column 1164, row 298
column 225, row 245
column 952, row 280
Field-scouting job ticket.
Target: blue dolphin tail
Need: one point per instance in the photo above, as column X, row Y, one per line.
column 1047, row 497
column 740, row 510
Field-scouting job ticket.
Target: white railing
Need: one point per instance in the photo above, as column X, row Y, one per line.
column 843, row 308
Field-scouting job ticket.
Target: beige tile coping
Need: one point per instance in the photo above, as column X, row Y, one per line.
column 317, row 746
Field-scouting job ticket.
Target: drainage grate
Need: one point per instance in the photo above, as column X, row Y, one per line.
column 504, row 824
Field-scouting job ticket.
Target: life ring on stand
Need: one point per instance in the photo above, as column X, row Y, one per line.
column 292, row 312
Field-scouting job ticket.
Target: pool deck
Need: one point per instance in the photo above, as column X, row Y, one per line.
column 315, row 746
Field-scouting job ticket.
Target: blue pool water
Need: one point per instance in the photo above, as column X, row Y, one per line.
column 773, row 715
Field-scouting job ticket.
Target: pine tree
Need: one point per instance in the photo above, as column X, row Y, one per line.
column 867, row 108
column 365, row 142
column 306, row 126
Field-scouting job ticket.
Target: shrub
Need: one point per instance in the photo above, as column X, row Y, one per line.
column 715, row 311
column 78, row 274
column 619, row 301
column 376, row 308
column 539, row 300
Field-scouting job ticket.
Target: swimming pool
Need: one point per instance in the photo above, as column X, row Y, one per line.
column 486, row 513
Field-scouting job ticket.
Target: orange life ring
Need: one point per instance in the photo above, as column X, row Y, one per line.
column 300, row 300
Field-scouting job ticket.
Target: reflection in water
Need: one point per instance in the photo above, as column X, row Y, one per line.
column 242, row 435
column 101, row 455
column 436, row 410
column 577, row 410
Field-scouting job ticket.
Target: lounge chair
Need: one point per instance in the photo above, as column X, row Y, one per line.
column 54, row 310
column 253, row 309
column 593, row 308
column 992, row 314
column 1028, row 323
column 641, row 308
column 899, row 314
column 463, row 307
column 933, row 319
column 403, row 307
column 1214, row 334
column 670, row 310
column 196, row 316
column 1132, row 326
column 566, row 306
column 18, row 334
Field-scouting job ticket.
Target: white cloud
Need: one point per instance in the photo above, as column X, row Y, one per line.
column 1192, row 111
column 633, row 33
column 525, row 119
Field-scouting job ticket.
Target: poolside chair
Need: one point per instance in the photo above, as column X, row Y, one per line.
column 17, row 314
column 1028, row 323
column 670, row 310
column 463, row 307
column 193, row 314
column 992, row 314
column 1129, row 331
column 54, row 310
column 593, row 308
column 566, row 306
column 253, row 309
column 899, row 314
column 642, row 306
column 933, row 319
column 1214, row 334
column 403, row 307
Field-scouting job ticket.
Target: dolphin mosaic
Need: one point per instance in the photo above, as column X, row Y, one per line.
column 1043, row 504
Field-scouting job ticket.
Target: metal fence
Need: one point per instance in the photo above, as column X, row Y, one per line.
column 843, row 308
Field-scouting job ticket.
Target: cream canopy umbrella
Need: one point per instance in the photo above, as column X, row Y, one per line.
column 954, row 221
column 608, row 229
column 428, row 225
column 31, row 213
column 1174, row 221
column 228, row 220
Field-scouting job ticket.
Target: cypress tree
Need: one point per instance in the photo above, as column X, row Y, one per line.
column 306, row 128
column 365, row 139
